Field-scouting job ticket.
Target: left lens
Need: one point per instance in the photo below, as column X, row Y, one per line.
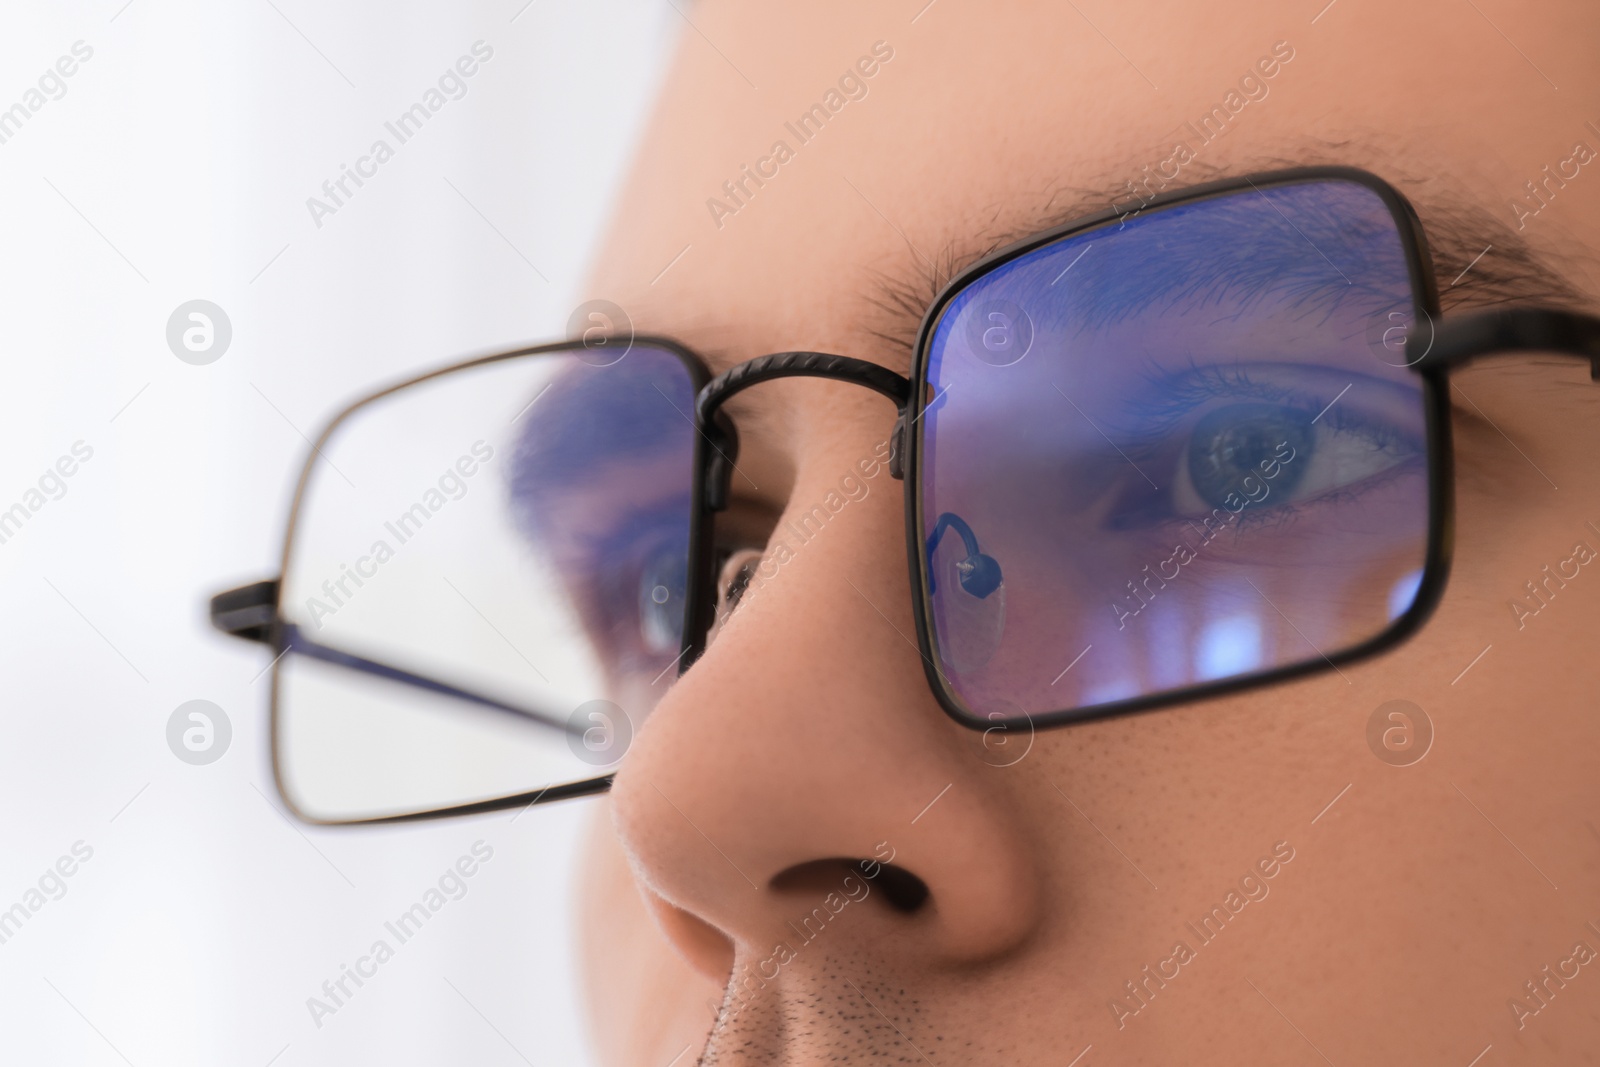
column 484, row 590
column 1165, row 453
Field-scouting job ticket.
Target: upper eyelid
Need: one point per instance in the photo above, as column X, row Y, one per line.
column 1182, row 391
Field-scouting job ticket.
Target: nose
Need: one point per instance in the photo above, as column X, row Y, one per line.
column 805, row 745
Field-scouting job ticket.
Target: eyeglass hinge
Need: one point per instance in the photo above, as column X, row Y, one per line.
column 248, row 612
column 724, row 442
column 897, row 448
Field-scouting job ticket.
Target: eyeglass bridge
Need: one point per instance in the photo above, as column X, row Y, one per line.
column 724, row 439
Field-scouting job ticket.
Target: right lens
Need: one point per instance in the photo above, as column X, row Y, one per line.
column 484, row 587
column 1174, row 451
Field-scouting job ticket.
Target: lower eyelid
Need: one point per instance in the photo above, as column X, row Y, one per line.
column 1408, row 467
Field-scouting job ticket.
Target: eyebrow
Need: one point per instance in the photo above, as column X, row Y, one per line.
column 1318, row 245
column 1479, row 261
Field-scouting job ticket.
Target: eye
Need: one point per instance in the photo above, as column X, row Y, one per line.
column 662, row 585
column 1256, row 443
column 738, row 570
column 663, row 580
column 1264, row 456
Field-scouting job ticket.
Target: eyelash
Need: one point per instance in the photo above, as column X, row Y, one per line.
column 1182, row 392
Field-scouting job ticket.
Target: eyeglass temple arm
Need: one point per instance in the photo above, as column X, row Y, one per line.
column 1458, row 340
column 251, row 612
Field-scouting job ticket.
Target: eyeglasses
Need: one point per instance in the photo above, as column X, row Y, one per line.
column 1147, row 459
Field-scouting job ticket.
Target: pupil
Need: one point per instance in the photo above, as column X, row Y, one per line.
column 1232, row 444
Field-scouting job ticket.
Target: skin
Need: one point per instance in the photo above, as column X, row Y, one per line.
column 1417, row 904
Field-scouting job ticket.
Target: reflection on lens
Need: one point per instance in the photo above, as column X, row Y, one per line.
column 1227, row 647
column 1404, row 593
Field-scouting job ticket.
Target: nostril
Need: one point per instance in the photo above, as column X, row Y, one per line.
column 901, row 890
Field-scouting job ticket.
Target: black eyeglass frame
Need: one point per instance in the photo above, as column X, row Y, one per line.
column 254, row 612
column 1440, row 469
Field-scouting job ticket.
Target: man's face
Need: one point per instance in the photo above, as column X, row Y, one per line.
column 1265, row 877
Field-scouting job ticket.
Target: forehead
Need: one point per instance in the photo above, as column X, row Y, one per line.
column 798, row 157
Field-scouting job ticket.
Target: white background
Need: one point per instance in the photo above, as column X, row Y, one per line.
column 176, row 167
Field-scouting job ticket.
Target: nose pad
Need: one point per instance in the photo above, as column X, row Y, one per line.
column 979, row 575
column 967, row 589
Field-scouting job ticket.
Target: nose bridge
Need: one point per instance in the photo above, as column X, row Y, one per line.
column 722, row 439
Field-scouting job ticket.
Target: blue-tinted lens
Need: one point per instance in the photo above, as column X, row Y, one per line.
column 602, row 485
column 1172, row 451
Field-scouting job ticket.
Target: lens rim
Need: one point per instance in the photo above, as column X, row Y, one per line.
column 278, row 635
column 1439, row 463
